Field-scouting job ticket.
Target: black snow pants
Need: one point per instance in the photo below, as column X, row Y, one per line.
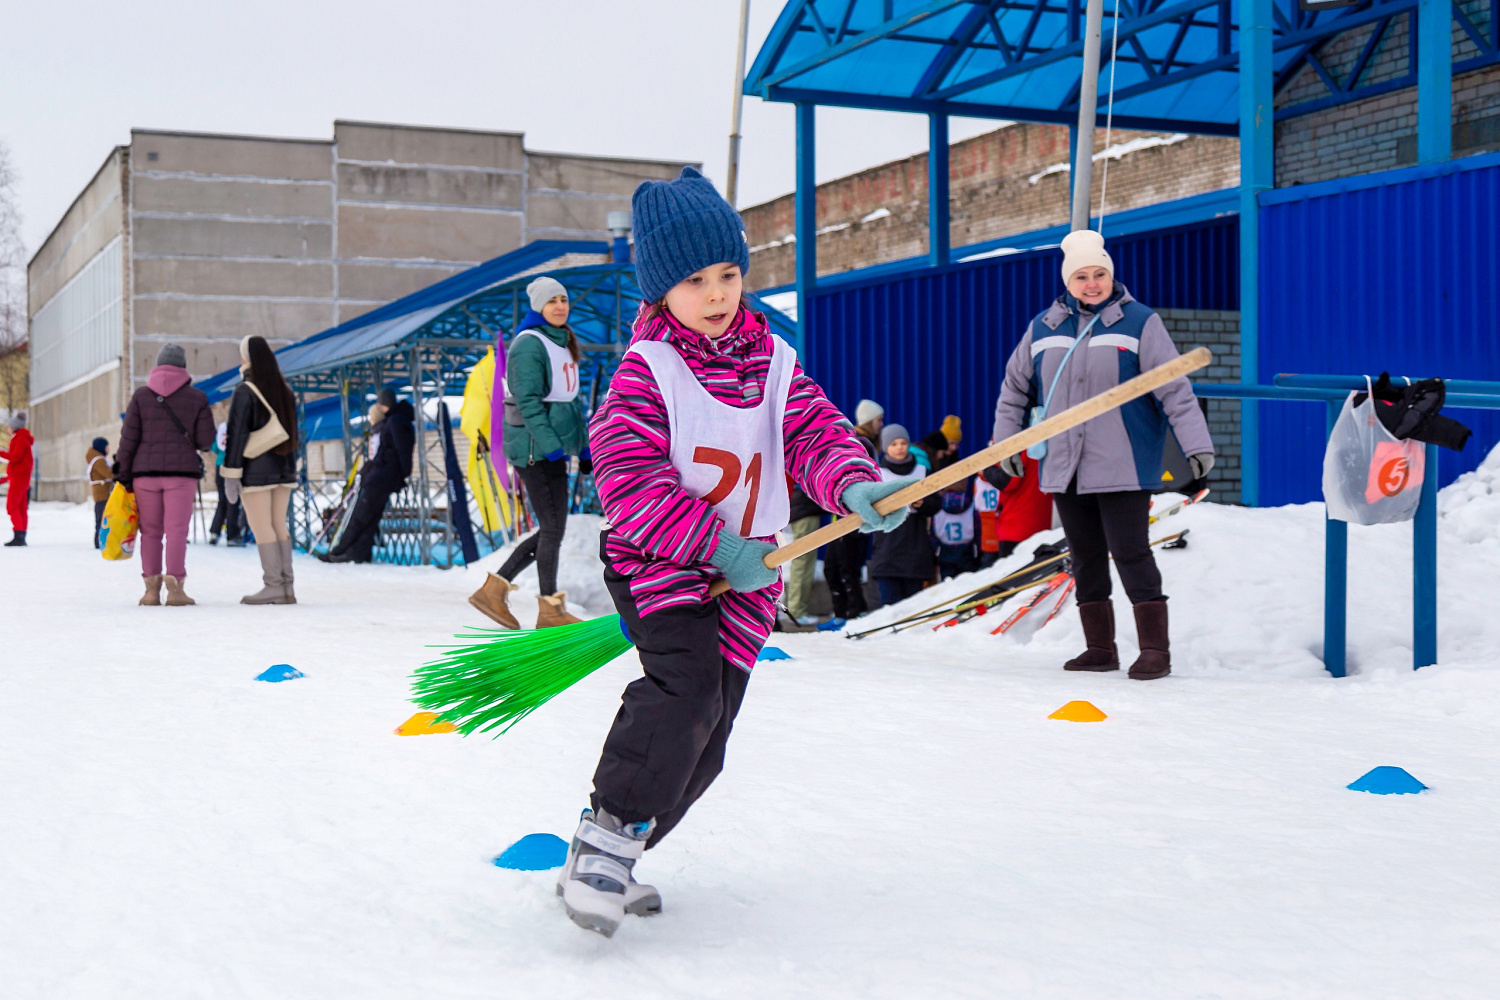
column 369, row 507
column 666, row 745
column 843, row 569
column 547, row 488
column 226, row 514
column 1100, row 525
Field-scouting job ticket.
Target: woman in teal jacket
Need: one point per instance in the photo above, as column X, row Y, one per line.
column 544, row 424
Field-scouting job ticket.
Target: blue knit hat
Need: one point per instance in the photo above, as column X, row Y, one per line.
column 681, row 227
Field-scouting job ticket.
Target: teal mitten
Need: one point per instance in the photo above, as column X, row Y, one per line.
column 742, row 561
column 860, row 499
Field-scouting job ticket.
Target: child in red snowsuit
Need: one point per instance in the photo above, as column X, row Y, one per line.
column 18, row 474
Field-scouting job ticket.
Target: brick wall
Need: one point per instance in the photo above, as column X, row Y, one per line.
column 1011, row 180
column 1220, row 332
column 1380, row 133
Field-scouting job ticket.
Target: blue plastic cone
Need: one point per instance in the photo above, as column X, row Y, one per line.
column 1388, row 781
column 280, row 672
column 773, row 653
column 535, row 852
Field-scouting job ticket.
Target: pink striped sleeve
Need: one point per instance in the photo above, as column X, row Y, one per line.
column 643, row 498
column 822, row 454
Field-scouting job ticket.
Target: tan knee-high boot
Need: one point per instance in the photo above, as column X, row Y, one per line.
column 287, row 592
column 270, row 564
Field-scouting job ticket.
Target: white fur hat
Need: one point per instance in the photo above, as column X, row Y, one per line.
column 867, row 410
column 1084, row 248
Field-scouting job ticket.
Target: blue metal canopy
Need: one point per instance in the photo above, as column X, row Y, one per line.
column 1175, row 64
column 380, row 330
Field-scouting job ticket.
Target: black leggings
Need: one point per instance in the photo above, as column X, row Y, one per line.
column 1100, row 525
column 547, row 488
column 667, row 742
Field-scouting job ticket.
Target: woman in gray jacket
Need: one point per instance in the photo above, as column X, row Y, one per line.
column 1102, row 473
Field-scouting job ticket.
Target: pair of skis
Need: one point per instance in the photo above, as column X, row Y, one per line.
column 1054, row 595
column 1038, row 572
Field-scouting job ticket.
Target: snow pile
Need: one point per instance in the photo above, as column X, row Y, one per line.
column 898, row 816
column 1469, row 508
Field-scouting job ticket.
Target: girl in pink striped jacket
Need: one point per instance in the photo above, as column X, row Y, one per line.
column 706, row 422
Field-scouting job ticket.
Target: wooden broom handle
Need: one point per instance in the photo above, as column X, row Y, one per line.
column 1147, row 381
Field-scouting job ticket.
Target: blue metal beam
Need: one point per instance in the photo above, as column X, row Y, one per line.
column 1257, row 174
column 1424, row 567
column 1335, row 578
column 873, row 102
column 937, row 190
column 806, row 221
column 1434, row 81
column 859, row 41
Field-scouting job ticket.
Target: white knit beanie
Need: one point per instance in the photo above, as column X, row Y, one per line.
column 542, row 290
column 867, row 410
column 1084, row 248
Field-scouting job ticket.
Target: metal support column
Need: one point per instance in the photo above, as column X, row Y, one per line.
column 423, row 501
column 344, row 419
column 1257, row 174
column 937, row 190
column 1072, row 161
column 1088, row 111
column 1424, row 567
column 806, row 211
column 1335, row 579
column 1434, row 81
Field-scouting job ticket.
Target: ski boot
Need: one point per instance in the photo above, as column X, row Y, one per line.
column 597, row 884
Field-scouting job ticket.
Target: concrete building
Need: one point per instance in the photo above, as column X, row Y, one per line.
column 202, row 239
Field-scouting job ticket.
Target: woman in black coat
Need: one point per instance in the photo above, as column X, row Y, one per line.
column 260, row 465
column 902, row 561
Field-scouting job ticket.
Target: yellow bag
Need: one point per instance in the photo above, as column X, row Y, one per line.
column 474, row 420
column 121, row 522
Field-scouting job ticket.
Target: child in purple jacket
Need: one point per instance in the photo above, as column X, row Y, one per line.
column 707, row 420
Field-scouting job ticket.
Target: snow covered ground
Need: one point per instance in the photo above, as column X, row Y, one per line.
column 899, row 817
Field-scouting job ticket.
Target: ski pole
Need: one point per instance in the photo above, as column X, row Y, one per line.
column 941, row 479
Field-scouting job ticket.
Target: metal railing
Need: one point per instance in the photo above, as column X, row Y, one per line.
column 1332, row 390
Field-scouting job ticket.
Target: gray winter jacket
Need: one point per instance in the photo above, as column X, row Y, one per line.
column 1122, row 449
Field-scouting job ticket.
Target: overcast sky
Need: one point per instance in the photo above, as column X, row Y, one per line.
column 648, row 78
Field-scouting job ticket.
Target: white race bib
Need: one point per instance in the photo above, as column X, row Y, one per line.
column 953, row 529
column 731, row 457
column 986, row 497
column 564, row 369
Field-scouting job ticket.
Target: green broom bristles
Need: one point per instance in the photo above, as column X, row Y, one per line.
column 502, row 677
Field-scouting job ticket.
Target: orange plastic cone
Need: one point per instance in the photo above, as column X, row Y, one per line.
column 1078, row 711
column 423, row 724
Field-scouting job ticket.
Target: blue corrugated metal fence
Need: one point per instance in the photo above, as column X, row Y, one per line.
column 1392, row 271
column 935, row 341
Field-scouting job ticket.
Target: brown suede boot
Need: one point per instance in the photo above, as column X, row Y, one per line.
column 553, row 610
column 152, row 597
column 175, row 597
column 1098, row 619
column 492, row 601
column 1151, row 628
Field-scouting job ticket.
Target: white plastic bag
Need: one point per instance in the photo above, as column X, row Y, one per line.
column 1370, row 476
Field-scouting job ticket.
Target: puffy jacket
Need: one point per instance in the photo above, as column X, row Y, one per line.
column 1121, row 449
column 1024, row 509
column 392, row 443
column 100, row 480
column 662, row 537
column 248, row 414
column 150, row 443
column 906, row 553
column 547, row 427
column 17, row 456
